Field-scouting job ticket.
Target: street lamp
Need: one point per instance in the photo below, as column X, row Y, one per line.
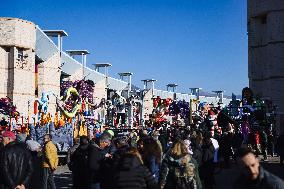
column 129, row 80
column 146, row 83
column 57, row 33
column 171, row 86
column 83, row 54
column 195, row 91
column 220, row 95
column 128, row 75
column 105, row 66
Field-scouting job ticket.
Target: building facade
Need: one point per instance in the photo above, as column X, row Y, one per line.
column 266, row 52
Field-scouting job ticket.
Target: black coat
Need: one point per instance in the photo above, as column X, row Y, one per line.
column 16, row 166
column 37, row 173
column 108, row 166
column 95, row 158
column 131, row 174
column 79, row 162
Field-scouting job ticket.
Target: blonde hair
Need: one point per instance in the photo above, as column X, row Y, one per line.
column 179, row 150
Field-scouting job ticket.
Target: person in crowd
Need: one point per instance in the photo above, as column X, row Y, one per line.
column 35, row 149
column 121, row 145
column 152, row 156
column 71, row 152
column 155, row 136
column 107, row 164
column 252, row 174
column 79, row 164
column 197, row 143
column 179, row 169
column 106, row 145
column 16, row 165
column 270, row 141
column 130, row 173
column 263, row 144
column 50, row 162
column 226, row 148
column 207, row 164
column 21, row 138
column 95, row 157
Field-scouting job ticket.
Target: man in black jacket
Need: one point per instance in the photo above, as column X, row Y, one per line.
column 253, row 176
column 95, row 157
column 16, row 163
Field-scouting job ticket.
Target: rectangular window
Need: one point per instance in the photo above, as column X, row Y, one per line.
column 21, row 54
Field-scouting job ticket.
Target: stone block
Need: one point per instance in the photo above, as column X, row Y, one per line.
column 17, row 32
column 275, row 26
column 260, row 7
column 257, row 62
column 275, row 60
column 257, row 32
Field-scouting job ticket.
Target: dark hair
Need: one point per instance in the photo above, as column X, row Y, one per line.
column 243, row 151
column 121, row 141
column 250, row 101
column 105, row 137
column 49, row 135
column 84, row 140
column 152, row 148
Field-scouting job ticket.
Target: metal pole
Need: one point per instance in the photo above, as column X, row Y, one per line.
column 83, row 65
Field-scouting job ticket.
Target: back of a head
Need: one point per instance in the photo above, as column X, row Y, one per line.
column 179, row 149
column 133, row 152
column 121, row 142
column 21, row 137
column 84, row 140
column 105, row 138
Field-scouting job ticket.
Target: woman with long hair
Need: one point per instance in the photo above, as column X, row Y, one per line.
column 152, row 155
column 179, row 170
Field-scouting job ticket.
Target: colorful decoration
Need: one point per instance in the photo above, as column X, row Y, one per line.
column 179, row 107
column 7, row 107
column 43, row 102
column 161, row 109
column 76, row 96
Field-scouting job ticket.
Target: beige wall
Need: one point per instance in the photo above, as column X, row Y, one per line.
column 49, row 80
column 17, row 80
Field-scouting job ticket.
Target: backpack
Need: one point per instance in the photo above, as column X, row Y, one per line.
column 181, row 180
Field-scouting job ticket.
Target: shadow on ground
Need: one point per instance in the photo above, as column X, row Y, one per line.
column 63, row 180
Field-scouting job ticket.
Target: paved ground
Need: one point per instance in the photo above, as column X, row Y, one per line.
column 224, row 178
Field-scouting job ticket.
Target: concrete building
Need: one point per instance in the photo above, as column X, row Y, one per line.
column 31, row 64
column 17, row 61
column 266, row 52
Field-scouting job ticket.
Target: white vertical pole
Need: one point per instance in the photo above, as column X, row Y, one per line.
column 83, row 65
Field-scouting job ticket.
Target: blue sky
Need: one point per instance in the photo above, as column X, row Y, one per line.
column 192, row 43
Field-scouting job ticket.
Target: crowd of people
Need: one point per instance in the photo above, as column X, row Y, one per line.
column 159, row 156
column 25, row 164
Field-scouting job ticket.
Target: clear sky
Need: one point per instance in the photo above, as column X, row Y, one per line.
column 194, row 43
